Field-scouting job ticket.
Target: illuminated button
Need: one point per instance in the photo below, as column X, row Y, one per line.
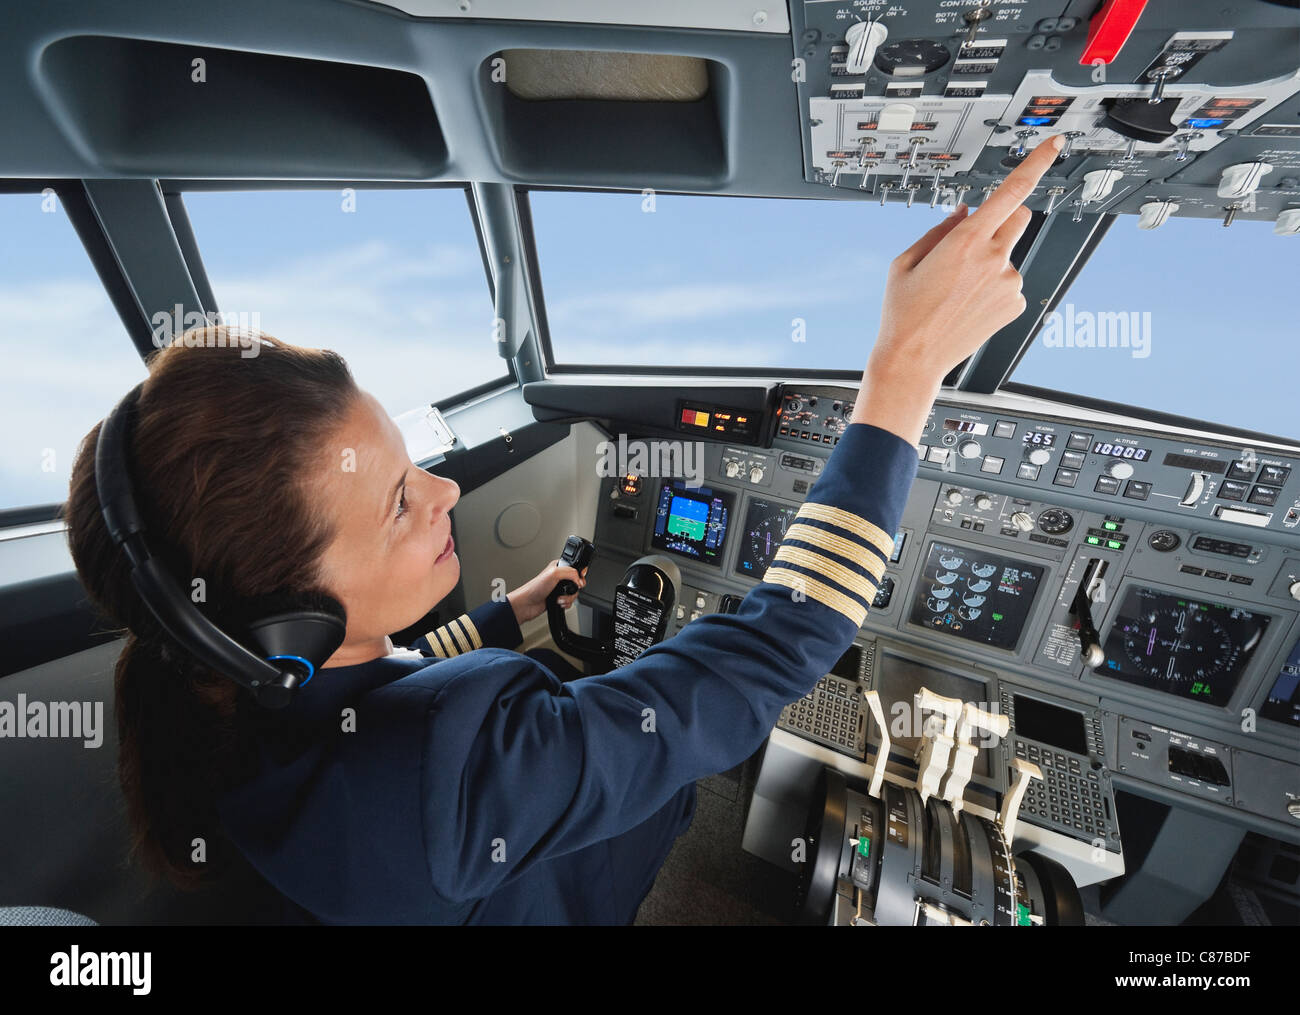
column 1110, row 526
column 1004, row 429
column 1137, row 490
column 1027, row 470
column 1079, row 441
column 1114, row 544
column 1065, row 477
column 1241, row 470
column 1093, row 540
column 1266, row 495
column 1274, row 474
column 992, row 464
column 1107, row 484
column 938, row 454
column 1229, row 490
column 1241, row 517
column 699, row 601
column 1074, row 459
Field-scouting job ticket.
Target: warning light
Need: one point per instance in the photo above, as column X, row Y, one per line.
column 693, row 417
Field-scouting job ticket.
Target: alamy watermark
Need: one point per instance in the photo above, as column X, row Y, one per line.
column 655, row 459
column 1069, row 328
column 213, row 329
column 75, row 720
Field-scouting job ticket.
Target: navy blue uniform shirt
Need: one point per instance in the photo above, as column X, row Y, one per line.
column 475, row 787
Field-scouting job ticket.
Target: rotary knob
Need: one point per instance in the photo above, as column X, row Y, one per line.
column 756, row 474
column 969, row 449
column 1119, row 470
column 1023, row 520
column 954, row 497
column 1294, row 590
column 983, row 502
column 732, row 469
column 1293, row 808
column 1038, row 456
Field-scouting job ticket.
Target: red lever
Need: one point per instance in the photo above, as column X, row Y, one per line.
column 1109, row 30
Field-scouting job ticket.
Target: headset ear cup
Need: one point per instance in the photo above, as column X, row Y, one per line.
column 308, row 626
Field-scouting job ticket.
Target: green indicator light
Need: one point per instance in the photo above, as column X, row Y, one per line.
column 1094, row 540
column 1022, row 915
column 1109, row 525
column 1114, row 544
column 864, row 845
column 997, row 616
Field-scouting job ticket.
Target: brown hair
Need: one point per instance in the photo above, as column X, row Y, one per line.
column 222, row 444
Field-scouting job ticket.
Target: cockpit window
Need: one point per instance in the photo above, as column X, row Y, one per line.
column 668, row 280
column 67, row 356
column 391, row 279
column 1180, row 319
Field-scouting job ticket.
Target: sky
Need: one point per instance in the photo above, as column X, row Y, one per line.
column 397, row 286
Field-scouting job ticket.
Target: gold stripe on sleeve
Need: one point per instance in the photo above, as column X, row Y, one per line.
column 837, row 544
column 453, row 632
column 824, row 594
column 475, row 638
column 829, row 569
column 856, row 524
column 444, row 639
column 435, row 645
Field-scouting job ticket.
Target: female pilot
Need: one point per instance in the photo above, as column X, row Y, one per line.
column 470, row 785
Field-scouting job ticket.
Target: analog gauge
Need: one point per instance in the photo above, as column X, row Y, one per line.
column 968, row 613
column 936, row 605
column 939, row 592
column 1163, row 541
column 947, row 578
column 847, row 411
column 1175, row 645
column 911, row 58
column 973, row 600
column 950, row 563
column 1055, row 521
column 978, row 585
column 984, row 570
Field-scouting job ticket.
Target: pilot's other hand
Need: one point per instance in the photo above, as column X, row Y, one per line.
column 529, row 600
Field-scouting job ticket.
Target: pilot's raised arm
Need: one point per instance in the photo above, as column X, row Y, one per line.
column 543, row 769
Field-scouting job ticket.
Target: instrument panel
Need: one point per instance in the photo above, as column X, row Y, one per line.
column 1014, row 520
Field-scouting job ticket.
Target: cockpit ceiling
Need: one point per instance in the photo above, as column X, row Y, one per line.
column 727, row 15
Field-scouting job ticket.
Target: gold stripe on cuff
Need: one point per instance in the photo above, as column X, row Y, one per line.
column 444, row 639
column 435, row 645
column 829, row 569
column 824, row 594
column 462, row 642
column 856, row 524
column 837, row 544
column 471, row 630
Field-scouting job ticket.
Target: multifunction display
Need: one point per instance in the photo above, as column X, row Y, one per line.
column 765, row 525
column 1283, row 702
column 1191, row 648
column 974, row 594
column 692, row 522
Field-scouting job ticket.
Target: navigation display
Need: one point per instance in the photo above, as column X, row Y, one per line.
column 1190, row 648
column 1283, row 702
column 765, row 525
column 974, row 594
column 692, row 522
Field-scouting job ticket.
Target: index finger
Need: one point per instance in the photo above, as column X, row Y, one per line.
column 1017, row 187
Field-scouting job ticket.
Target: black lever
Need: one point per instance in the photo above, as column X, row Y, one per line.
column 1089, row 639
column 577, row 554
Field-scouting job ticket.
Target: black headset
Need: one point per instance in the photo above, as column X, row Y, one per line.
column 296, row 642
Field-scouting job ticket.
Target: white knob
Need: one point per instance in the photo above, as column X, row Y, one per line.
column 1038, row 456
column 1293, row 808
column 1242, row 179
column 1294, row 590
column 969, row 449
column 1154, row 214
column 983, row 502
column 863, row 39
column 756, row 475
column 1097, row 184
column 1120, row 470
column 1288, row 223
column 954, row 497
column 1023, row 520
column 733, row 470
